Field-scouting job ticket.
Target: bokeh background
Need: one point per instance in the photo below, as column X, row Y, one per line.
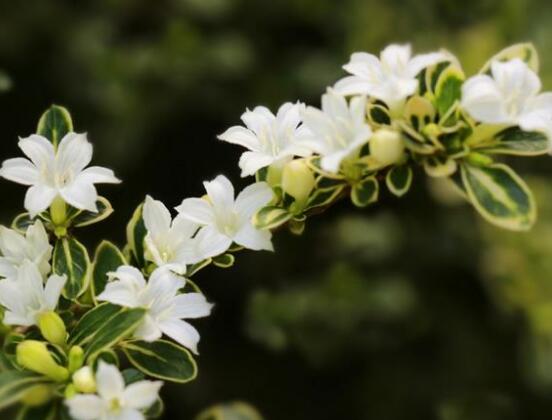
column 412, row 309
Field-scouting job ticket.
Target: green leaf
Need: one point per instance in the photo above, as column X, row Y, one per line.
column 525, row 51
column 14, row 384
column 22, row 222
column 448, row 89
column 86, row 218
column 224, row 260
column 232, row 411
column 399, row 179
column 194, row 268
column 271, row 217
column 440, row 166
column 378, row 114
column 71, row 258
column 155, row 410
column 500, row 196
column 365, row 192
column 322, row 198
column 115, row 329
column 91, row 322
column 43, row 412
column 136, row 232
column 107, row 258
column 162, row 359
column 54, row 124
column 515, row 141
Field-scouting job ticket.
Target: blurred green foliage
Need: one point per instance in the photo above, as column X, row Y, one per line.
column 411, row 310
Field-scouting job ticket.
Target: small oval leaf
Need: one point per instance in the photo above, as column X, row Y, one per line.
column 55, row 123
column 71, row 258
column 107, row 258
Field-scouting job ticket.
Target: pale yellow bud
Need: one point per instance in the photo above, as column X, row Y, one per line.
column 84, row 380
column 34, row 355
column 298, row 180
column 386, row 146
column 76, row 358
column 37, row 395
column 52, row 327
column 58, row 211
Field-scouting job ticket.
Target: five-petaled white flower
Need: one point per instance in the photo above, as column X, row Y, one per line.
column 25, row 297
column 165, row 306
column 510, row 96
column 170, row 243
column 390, row 78
column 114, row 400
column 338, row 130
column 226, row 219
column 16, row 248
column 270, row 138
column 51, row 172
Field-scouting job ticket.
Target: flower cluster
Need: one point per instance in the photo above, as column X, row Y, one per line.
column 82, row 332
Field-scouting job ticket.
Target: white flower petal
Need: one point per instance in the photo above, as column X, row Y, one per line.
column 109, row 381
column 120, row 292
column 241, row 136
column 81, row 195
column 252, row 198
column 421, row 61
column 258, row 119
column 12, row 244
column 98, row 175
column 38, row 198
column 220, row 191
column 148, row 330
column 85, row 407
column 52, row 290
column 353, row 85
column 196, row 210
column 157, row 217
column 395, row 58
column 7, row 269
column 142, row 394
column 126, row 414
column 254, row 239
column 191, row 305
column 39, row 149
column 20, row 170
column 74, row 152
column 251, row 162
column 482, row 99
column 181, row 332
column 209, row 242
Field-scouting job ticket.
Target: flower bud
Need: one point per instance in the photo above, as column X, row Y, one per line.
column 84, row 381
column 34, row 355
column 58, row 211
column 37, row 395
column 52, row 327
column 298, row 180
column 76, row 358
column 386, row 146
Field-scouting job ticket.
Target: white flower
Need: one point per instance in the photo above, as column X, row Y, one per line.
column 270, row 138
column 338, row 130
column 226, row 219
column 390, row 78
column 510, row 96
column 114, row 400
column 165, row 307
column 169, row 243
column 16, row 248
column 25, row 297
column 50, row 173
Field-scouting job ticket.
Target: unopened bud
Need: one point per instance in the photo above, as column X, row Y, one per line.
column 58, row 211
column 52, row 327
column 37, row 395
column 83, row 380
column 34, row 355
column 386, row 146
column 76, row 358
column 298, row 180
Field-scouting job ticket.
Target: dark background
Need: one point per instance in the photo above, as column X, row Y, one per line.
column 412, row 309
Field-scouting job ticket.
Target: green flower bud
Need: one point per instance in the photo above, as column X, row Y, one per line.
column 76, row 358
column 70, row 391
column 84, row 381
column 52, row 327
column 58, row 211
column 298, row 180
column 37, row 395
column 386, row 146
column 34, row 355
